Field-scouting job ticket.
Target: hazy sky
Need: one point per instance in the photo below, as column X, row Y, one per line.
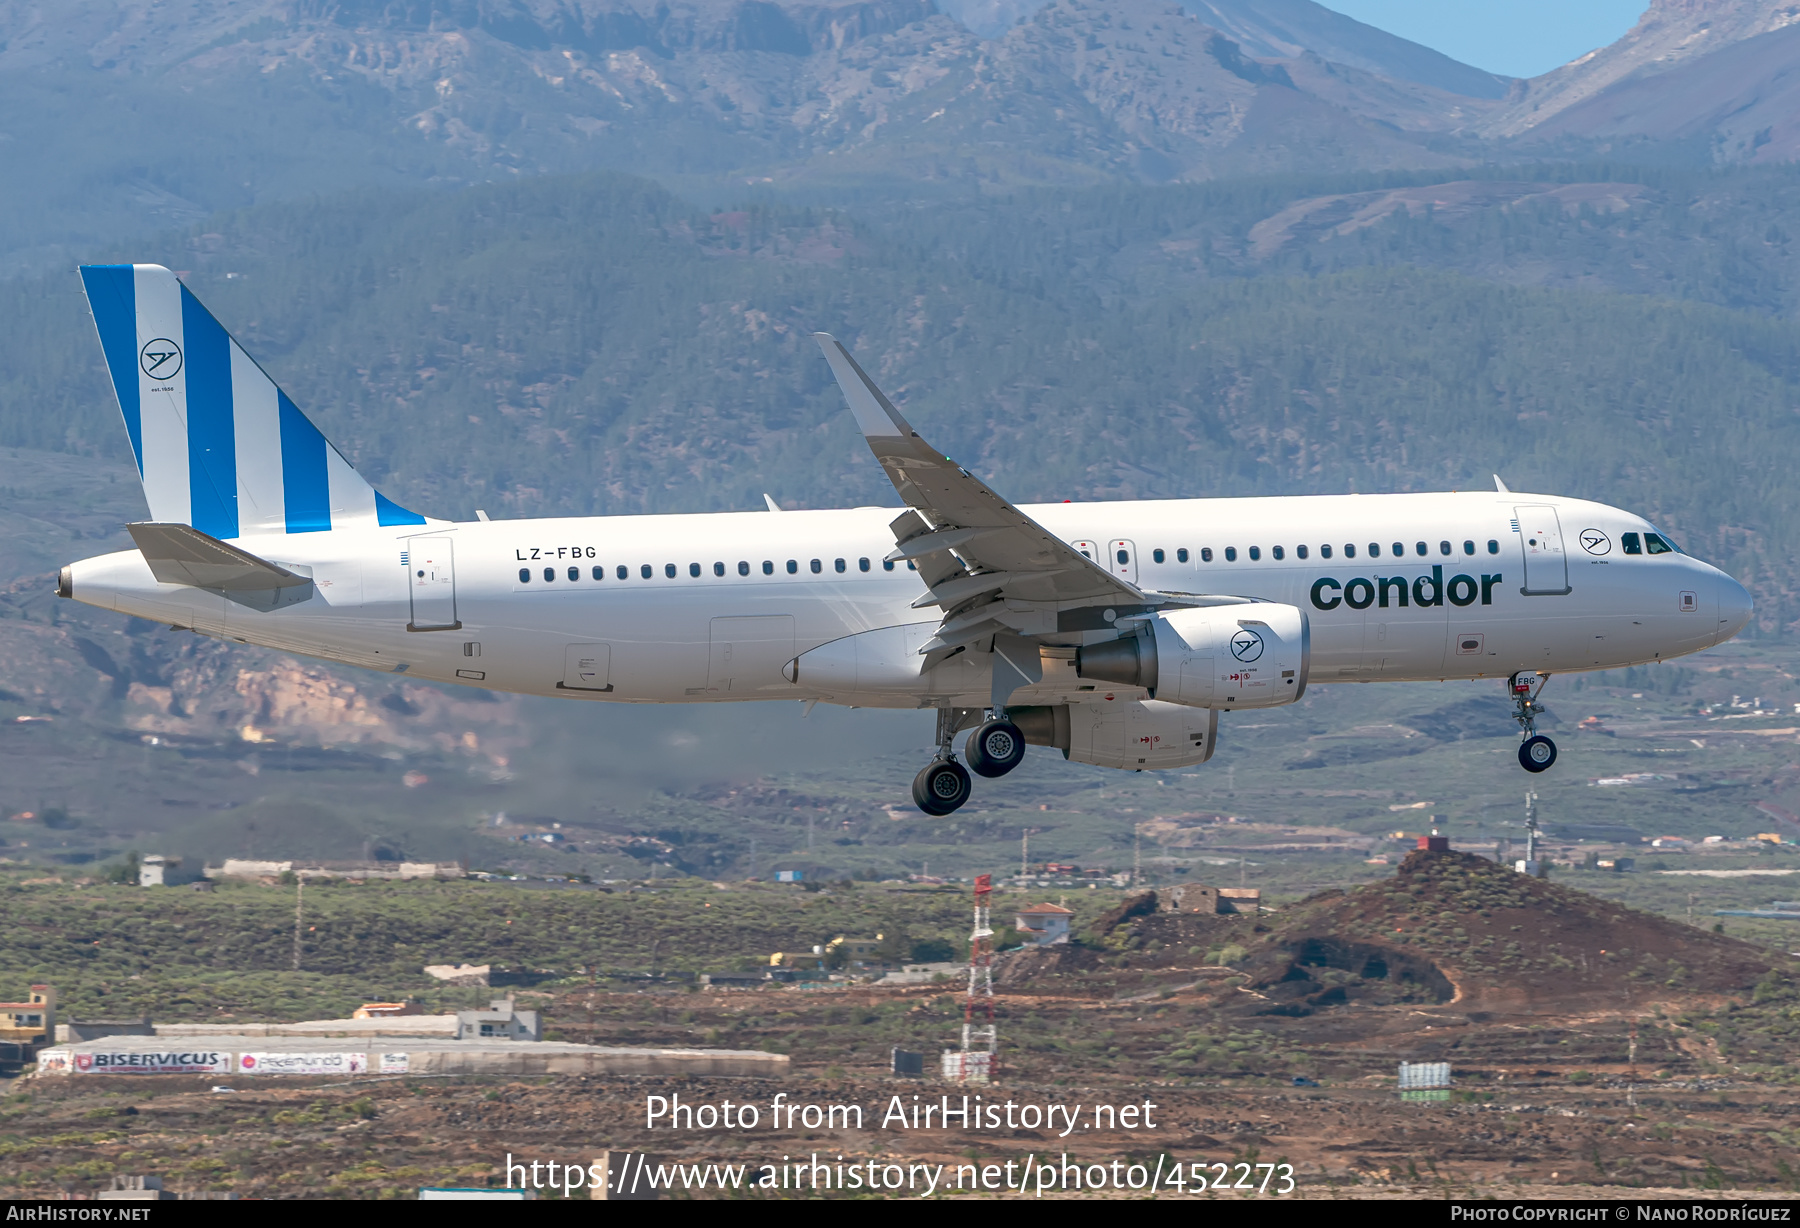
column 1520, row 38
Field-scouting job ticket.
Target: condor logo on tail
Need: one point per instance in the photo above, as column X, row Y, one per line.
column 1361, row 593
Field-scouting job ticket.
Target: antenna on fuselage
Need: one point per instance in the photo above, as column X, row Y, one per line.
column 1498, row 485
column 776, row 507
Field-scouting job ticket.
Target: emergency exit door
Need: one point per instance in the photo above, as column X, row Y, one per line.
column 431, row 570
column 1122, row 561
column 1540, row 536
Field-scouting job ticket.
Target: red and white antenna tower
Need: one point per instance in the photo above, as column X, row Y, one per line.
column 980, row 998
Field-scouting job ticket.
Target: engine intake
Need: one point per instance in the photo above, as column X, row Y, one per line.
column 1244, row 656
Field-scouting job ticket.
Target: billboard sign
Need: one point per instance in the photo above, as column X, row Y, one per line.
column 302, row 1063
column 199, row 1061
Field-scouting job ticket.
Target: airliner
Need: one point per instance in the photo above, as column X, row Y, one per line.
column 1114, row 632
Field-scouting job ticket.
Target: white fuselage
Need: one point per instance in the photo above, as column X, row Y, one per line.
column 515, row 605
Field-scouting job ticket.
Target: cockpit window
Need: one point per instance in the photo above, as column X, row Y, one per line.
column 1630, row 544
column 1654, row 544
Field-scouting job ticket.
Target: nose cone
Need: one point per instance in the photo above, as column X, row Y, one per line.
column 1735, row 607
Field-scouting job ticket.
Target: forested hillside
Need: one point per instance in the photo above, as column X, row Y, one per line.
column 594, row 344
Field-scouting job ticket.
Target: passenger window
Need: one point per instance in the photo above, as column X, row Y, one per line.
column 1206, row 554
column 524, row 575
column 862, row 564
column 574, row 573
column 646, row 571
column 1399, row 550
column 1420, row 550
column 1231, row 554
column 1630, row 543
column 549, row 574
column 887, row 564
column 768, row 567
column 743, row 567
column 1325, row 551
column 1656, row 545
column 669, row 570
column 1124, row 556
column 1181, row 555
column 1468, row 547
column 793, row 566
column 1256, row 554
column 718, row 569
column 599, row 573
column 694, row 570
column 1157, row 554
column 1278, row 553
column 817, row 567
column 1349, row 550
column 1374, row 550
column 1300, row 552
column 624, row 572
column 1493, row 546
column 838, row 565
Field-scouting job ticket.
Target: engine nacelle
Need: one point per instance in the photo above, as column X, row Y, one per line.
column 1240, row 656
column 1123, row 733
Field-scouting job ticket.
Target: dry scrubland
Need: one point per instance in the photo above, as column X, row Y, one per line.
column 1599, row 1050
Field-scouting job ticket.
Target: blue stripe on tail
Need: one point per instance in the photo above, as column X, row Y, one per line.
column 304, row 483
column 112, row 293
column 212, row 430
column 387, row 512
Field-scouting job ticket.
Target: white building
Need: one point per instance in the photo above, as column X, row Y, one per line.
column 1044, row 924
column 155, row 870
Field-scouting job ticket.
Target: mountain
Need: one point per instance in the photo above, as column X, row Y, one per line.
column 1720, row 72
column 123, row 116
column 1288, row 29
column 1283, row 30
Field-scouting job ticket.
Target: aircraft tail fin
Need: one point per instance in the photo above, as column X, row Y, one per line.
column 218, row 446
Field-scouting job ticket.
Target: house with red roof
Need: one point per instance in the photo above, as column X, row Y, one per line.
column 1043, row 924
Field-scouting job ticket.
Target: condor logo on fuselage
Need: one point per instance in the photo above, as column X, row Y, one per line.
column 1361, row 593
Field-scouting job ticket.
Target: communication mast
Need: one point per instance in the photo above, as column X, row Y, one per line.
column 973, row 1064
column 1531, row 865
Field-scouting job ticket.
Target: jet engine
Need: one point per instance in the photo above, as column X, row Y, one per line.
column 1239, row 656
column 1122, row 733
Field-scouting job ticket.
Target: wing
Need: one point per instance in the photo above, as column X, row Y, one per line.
column 989, row 566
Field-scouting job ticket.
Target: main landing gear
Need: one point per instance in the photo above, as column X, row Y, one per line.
column 995, row 748
column 1536, row 752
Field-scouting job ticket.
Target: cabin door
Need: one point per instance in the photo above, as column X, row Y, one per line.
column 1541, row 538
column 431, row 569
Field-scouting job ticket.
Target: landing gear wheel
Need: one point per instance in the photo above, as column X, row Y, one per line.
column 1536, row 753
column 942, row 787
column 995, row 749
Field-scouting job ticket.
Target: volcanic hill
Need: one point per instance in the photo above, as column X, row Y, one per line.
column 1448, row 930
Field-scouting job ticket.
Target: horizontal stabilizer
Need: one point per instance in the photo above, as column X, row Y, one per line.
column 181, row 554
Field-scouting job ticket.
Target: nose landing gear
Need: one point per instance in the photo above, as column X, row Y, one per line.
column 1536, row 752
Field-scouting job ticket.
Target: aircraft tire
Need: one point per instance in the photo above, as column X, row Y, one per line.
column 995, row 749
column 942, row 787
column 1537, row 753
